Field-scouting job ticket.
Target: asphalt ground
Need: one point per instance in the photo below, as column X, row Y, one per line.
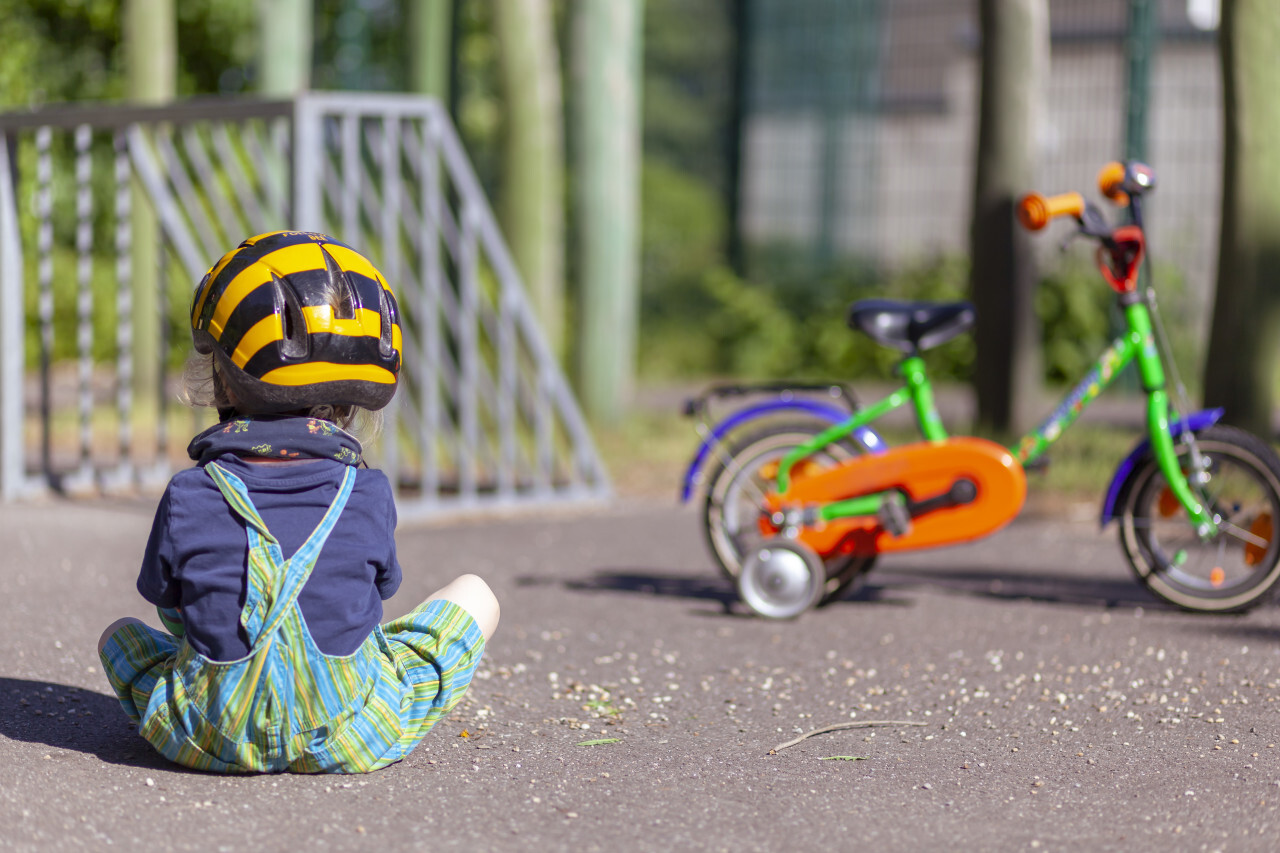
column 1036, row 698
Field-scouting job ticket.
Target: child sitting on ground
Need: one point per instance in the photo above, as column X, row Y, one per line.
column 280, row 663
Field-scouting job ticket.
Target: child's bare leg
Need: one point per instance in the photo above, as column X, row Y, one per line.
column 113, row 627
column 474, row 596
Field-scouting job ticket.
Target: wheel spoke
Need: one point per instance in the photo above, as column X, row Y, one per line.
column 1230, row 571
column 1242, row 534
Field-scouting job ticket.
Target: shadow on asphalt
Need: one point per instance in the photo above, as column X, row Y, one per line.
column 883, row 587
column 1241, row 630
column 1037, row 586
column 652, row 583
column 660, row 584
column 74, row 719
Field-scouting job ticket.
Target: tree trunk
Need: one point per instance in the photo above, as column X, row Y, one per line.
column 1240, row 367
column 606, row 127
column 532, row 201
column 151, row 73
column 430, row 48
column 1015, row 49
column 284, row 47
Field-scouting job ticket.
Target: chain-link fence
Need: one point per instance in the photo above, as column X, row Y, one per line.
column 859, row 119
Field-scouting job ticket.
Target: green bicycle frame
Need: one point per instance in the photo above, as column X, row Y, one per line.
column 1137, row 343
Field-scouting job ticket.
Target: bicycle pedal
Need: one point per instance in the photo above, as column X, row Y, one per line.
column 894, row 518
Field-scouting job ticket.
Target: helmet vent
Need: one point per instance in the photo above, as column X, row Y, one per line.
column 342, row 296
column 386, row 344
column 294, row 343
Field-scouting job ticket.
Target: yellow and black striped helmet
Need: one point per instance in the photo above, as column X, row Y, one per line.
column 297, row 319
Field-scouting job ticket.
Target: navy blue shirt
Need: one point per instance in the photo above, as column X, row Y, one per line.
column 197, row 556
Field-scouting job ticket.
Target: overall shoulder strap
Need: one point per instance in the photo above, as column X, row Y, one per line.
column 310, row 549
column 237, row 496
column 264, row 581
column 299, row 566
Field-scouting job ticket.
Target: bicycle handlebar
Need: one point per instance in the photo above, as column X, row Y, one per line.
column 1120, row 250
column 1122, row 183
column 1111, row 183
column 1035, row 211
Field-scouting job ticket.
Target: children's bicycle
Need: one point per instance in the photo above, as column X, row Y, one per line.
column 802, row 494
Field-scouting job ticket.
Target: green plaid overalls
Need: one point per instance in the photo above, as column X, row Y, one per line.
column 287, row 705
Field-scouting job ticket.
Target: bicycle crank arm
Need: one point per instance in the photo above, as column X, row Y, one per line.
column 961, row 492
column 896, row 515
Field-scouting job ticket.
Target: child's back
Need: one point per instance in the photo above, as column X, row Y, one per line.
column 269, row 561
column 197, row 552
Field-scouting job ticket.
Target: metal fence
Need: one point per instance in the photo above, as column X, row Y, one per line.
column 860, row 116
column 484, row 416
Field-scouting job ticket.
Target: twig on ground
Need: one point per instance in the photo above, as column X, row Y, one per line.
column 861, row 724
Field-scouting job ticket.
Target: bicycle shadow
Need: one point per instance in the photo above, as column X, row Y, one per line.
column 1031, row 585
column 1242, row 631
column 662, row 584
column 73, row 719
column 888, row 586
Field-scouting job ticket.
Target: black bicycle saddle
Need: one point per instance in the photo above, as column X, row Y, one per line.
column 911, row 326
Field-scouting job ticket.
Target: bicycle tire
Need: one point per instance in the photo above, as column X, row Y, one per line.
column 1238, row 568
column 731, row 513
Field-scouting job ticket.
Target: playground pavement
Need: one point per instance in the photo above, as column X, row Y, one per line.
column 1032, row 695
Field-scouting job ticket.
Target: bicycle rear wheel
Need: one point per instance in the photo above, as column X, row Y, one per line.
column 733, row 510
column 1238, row 568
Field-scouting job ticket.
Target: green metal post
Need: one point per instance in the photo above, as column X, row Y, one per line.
column 355, row 45
column 850, row 53
column 1139, row 48
column 834, row 114
column 741, row 22
column 607, row 46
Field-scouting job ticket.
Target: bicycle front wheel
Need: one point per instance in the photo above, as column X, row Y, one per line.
column 1237, row 568
column 734, row 511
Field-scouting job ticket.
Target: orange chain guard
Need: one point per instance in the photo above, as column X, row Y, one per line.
column 921, row 471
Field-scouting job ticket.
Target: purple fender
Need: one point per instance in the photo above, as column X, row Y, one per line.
column 1195, row 422
column 831, row 414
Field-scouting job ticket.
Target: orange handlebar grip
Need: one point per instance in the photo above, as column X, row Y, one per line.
column 1035, row 211
column 1110, row 179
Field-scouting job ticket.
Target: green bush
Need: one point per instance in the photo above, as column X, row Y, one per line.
column 792, row 322
column 1079, row 317
column 717, row 323
column 1077, row 320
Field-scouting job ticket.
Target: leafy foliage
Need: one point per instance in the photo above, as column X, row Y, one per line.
column 1079, row 317
column 68, row 50
column 688, row 89
column 714, row 322
column 698, row 316
column 59, row 50
column 71, row 50
column 1077, row 320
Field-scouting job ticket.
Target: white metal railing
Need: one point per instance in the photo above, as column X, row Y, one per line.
column 484, row 416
